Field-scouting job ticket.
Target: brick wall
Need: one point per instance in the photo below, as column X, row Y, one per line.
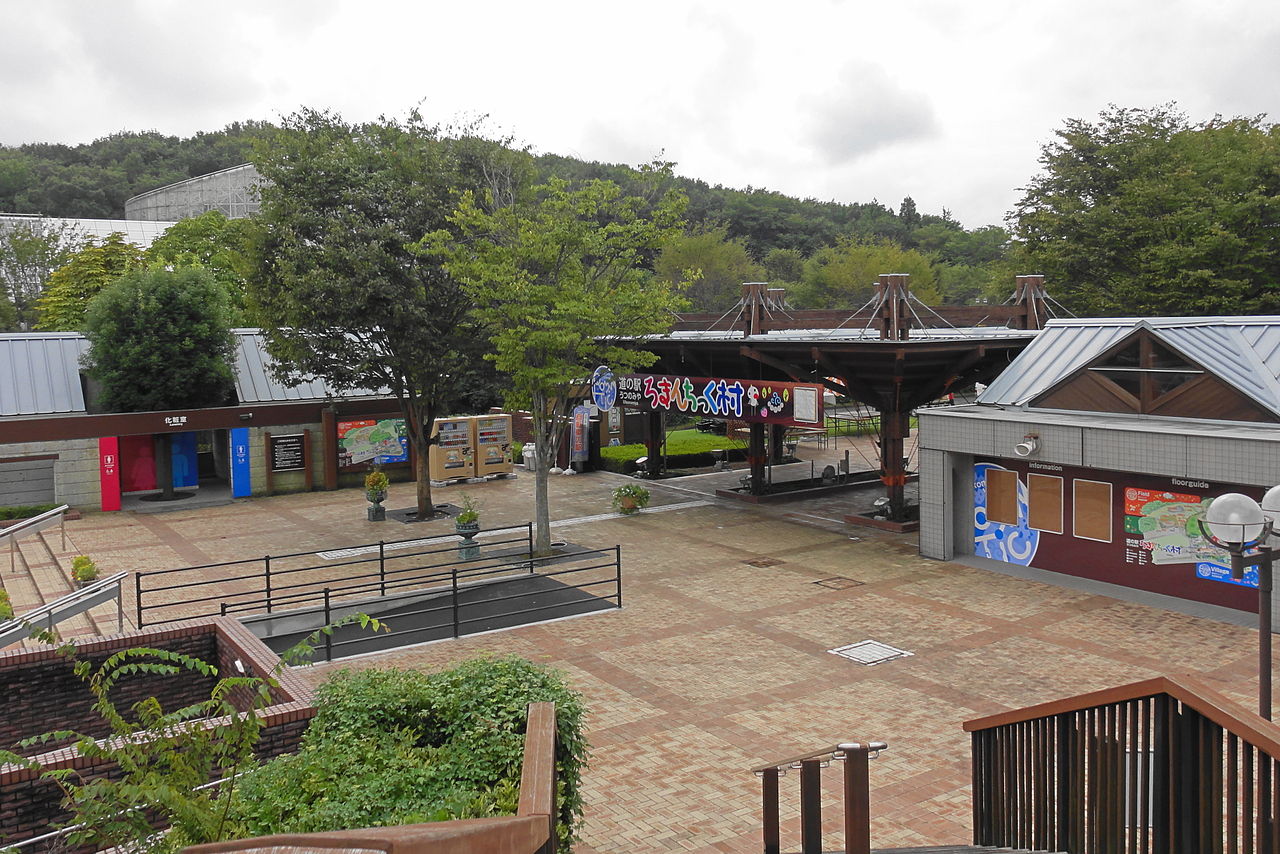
column 29, row 805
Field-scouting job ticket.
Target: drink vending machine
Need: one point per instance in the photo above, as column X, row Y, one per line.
column 492, row 441
column 453, row 454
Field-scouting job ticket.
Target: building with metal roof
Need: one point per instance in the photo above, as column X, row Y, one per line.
column 141, row 233
column 55, row 445
column 231, row 191
column 1096, row 451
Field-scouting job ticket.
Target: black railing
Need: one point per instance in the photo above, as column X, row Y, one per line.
column 274, row 582
column 1165, row 765
column 579, row 583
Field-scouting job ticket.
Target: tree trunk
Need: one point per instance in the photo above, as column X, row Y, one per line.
column 164, row 465
column 541, row 504
column 422, row 471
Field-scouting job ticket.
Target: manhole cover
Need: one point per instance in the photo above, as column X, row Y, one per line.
column 763, row 561
column 838, row 582
column 869, row 652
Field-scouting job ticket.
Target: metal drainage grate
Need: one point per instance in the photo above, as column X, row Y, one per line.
column 838, row 582
column 763, row 561
column 869, row 652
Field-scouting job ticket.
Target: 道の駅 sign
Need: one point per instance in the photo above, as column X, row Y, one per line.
column 797, row 404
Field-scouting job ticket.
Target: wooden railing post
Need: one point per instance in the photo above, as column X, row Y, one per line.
column 857, row 797
column 538, row 773
column 811, row 807
column 769, row 810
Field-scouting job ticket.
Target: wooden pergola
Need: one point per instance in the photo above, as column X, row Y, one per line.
column 894, row 354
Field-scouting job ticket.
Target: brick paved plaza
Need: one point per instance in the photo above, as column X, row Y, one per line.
column 719, row 661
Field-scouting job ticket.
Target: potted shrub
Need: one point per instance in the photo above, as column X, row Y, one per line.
column 375, row 489
column 83, row 570
column 630, row 498
column 467, row 525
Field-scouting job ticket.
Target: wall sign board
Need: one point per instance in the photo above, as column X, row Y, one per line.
column 760, row 401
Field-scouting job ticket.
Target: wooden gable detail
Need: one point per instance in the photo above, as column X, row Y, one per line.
column 1138, row 360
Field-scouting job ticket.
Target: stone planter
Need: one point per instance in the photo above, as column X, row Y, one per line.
column 468, row 548
column 376, row 512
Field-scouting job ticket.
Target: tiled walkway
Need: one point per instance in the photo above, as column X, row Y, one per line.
column 719, row 660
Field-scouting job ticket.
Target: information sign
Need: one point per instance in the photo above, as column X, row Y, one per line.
column 287, row 452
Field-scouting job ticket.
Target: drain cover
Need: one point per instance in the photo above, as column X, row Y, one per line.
column 838, row 582
column 762, row 561
column 869, row 652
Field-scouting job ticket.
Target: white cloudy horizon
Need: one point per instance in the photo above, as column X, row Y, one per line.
column 946, row 102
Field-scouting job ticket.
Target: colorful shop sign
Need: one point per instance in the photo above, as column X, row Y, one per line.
column 769, row 402
column 380, row 442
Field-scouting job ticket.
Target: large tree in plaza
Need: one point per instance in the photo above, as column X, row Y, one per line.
column 160, row 341
column 1145, row 213
column 558, row 277
column 339, row 291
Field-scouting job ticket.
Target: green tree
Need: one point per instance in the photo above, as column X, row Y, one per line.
column 70, row 287
column 1145, row 213
column 31, row 249
column 217, row 244
column 844, row 276
column 558, row 279
column 716, row 264
column 160, row 341
column 341, row 294
column 784, row 266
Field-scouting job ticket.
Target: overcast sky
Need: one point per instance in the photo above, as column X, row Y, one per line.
column 947, row 102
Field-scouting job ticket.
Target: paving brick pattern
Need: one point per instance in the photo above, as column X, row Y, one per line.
column 715, row 665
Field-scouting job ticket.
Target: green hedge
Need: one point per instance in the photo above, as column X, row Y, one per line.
column 685, row 449
column 24, row 512
column 397, row 746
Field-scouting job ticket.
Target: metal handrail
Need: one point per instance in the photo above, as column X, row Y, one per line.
column 65, row 607
column 33, row 525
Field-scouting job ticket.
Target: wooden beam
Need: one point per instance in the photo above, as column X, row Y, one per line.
column 797, row 373
column 856, row 387
column 701, row 367
column 929, row 391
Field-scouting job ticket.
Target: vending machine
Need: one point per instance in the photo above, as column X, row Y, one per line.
column 453, row 454
column 492, row 441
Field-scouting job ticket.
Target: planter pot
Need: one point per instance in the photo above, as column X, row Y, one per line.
column 627, row 506
column 376, row 512
column 468, row 548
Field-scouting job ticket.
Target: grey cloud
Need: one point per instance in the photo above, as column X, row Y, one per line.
column 868, row 110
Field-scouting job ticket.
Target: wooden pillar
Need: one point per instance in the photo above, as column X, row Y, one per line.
column 308, row 479
column 329, row 423
column 266, row 458
column 756, row 456
column 895, row 426
column 653, row 442
column 777, row 438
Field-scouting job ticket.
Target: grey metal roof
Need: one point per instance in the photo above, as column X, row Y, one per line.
column 1242, row 351
column 139, row 232
column 40, row 373
column 255, row 383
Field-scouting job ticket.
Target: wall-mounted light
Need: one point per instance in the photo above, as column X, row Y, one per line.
column 1029, row 445
column 246, row 416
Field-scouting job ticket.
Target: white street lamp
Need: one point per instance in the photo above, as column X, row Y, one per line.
column 1237, row 523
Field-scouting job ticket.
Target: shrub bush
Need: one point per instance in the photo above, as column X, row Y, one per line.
column 83, row 569
column 25, row 511
column 6, row 607
column 397, row 746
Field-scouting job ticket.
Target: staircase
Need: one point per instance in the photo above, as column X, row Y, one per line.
column 38, row 571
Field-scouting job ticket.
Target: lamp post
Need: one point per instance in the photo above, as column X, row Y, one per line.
column 1237, row 523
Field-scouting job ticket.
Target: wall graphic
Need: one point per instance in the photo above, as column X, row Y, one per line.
column 1124, row 528
column 1002, row 541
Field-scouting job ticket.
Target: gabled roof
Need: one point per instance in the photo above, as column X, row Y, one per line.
column 40, row 374
column 1244, row 352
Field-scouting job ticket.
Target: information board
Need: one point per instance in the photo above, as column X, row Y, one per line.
column 287, row 452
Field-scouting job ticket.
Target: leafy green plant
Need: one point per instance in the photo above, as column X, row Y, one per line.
column 165, row 757
column 470, row 512
column 399, row 746
column 376, row 483
column 630, row 498
column 24, row 511
column 6, row 607
column 83, row 569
